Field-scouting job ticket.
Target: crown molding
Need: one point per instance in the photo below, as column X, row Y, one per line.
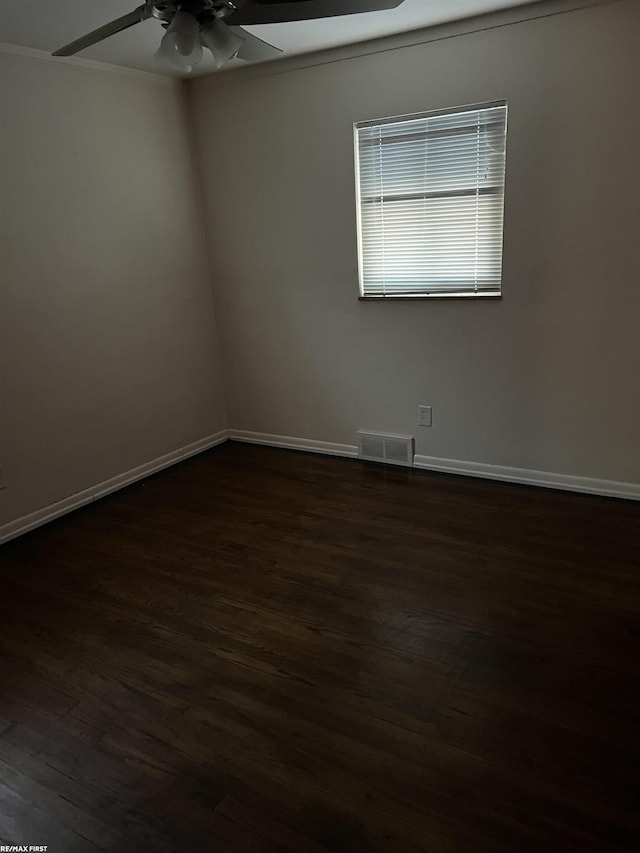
column 397, row 41
column 90, row 64
column 341, row 53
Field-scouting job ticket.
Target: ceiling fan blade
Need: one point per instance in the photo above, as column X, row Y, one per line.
column 282, row 11
column 254, row 49
column 123, row 23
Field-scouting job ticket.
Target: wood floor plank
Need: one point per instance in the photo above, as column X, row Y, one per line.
column 261, row 650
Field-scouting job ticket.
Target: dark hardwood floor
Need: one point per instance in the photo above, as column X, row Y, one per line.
column 263, row 650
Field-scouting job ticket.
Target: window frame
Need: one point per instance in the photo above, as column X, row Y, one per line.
column 446, row 111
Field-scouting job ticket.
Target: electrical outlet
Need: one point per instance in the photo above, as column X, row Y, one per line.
column 424, row 416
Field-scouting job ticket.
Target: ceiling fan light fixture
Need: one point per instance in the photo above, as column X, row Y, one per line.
column 221, row 41
column 223, row 31
column 180, row 45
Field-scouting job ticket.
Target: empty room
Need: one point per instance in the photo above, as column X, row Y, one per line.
column 319, row 426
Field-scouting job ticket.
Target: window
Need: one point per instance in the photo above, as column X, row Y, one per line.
column 430, row 199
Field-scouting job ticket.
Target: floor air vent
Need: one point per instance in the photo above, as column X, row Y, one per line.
column 392, row 449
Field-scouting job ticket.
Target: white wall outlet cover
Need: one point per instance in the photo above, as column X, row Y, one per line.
column 424, row 416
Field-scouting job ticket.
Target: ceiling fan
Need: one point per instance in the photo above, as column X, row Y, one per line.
column 218, row 26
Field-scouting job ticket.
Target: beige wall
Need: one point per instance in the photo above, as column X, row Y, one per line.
column 108, row 344
column 108, row 347
column 548, row 377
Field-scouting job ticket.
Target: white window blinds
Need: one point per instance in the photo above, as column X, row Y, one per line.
column 430, row 198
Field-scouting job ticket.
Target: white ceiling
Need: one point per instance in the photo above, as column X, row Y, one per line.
column 48, row 24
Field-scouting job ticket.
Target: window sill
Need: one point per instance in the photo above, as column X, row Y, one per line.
column 422, row 296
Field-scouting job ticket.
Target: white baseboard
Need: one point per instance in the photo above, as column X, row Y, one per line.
column 94, row 493
column 529, row 477
column 290, row 443
column 525, row 476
